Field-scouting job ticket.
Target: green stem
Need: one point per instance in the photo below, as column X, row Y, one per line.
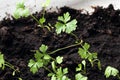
column 47, row 69
column 118, row 76
column 9, row 65
column 35, row 19
column 77, row 39
column 65, row 48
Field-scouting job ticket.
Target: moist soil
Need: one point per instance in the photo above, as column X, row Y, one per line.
column 101, row 30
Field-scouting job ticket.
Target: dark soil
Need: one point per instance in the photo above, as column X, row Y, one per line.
column 101, row 30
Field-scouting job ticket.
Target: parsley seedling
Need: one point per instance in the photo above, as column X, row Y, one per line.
column 111, row 71
column 41, row 59
column 91, row 57
column 58, row 73
column 79, row 76
column 22, row 11
column 65, row 25
column 4, row 63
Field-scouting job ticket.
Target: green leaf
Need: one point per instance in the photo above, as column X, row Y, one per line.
column 46, row 3
column 47, row 57
column 65, row 70
column 60, row 27
column 83, row 53
column 84, row 63
column 43, row 48
column 53, row 77
column 65, row 25
column 2, row 61
column 99, row 65
column 53, row 66
column 59, row 72
column 20, row 4
column 16, row 14
column 79, row 76
column 79, row 68
column 111, row 71
column 25, row 12
column 59, row 60
column 38, row 55
column 86, row 46
column 66, row 17
column 42, row 20
column 71, row 26
column 34, row 66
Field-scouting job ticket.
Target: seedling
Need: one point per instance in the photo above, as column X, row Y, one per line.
column 82, row 67
column 58, row 73
column 41, row 59
column 111, row 71
column 91, row 57
column 79, row 76
column 4, row 64
column 65, row 25
column 22, row 11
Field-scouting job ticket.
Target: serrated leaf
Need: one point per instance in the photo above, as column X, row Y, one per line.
column 59, row 72
column 42, row 20
column 38, row 55
column 53, row 77
column 47, row 2
column 86, row 46
column 25, row 12
column 83, row 53
column 111, row 71
column 71, row 26
column 79, row 76
column 59, row 60
column 60, row 27
column 20, row 4
column 47, row 57
column 43, row 48
column 50, row 74
column 34, row 66
column 16, row 14
column 65, row 70
column 66, row 17
column 2, row 61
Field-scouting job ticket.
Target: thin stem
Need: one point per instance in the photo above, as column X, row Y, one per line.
column 118, row 76
column 65, row 48
column 35, row 19
column 77, row 39
column 9, row 65
column 47, row 69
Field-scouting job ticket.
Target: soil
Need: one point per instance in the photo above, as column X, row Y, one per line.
column 101, row 30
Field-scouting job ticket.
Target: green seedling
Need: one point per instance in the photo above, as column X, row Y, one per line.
column 41, row 59
column 91, row 57
column 111, row 71
column 79, row 76
column 65, row 25
column 4, row 64
column 82, row 67
column 58, row 73
column 22, row 11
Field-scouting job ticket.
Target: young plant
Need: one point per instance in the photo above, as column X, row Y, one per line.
column 91, row 57
column 79, row 76
column 4, row 64
column 41, row 59
column 82, row 67
column 111, row 71
column 22, row 11
column 58, row 73
column 65, row 25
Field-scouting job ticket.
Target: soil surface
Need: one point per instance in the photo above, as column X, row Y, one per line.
column 101, row 30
